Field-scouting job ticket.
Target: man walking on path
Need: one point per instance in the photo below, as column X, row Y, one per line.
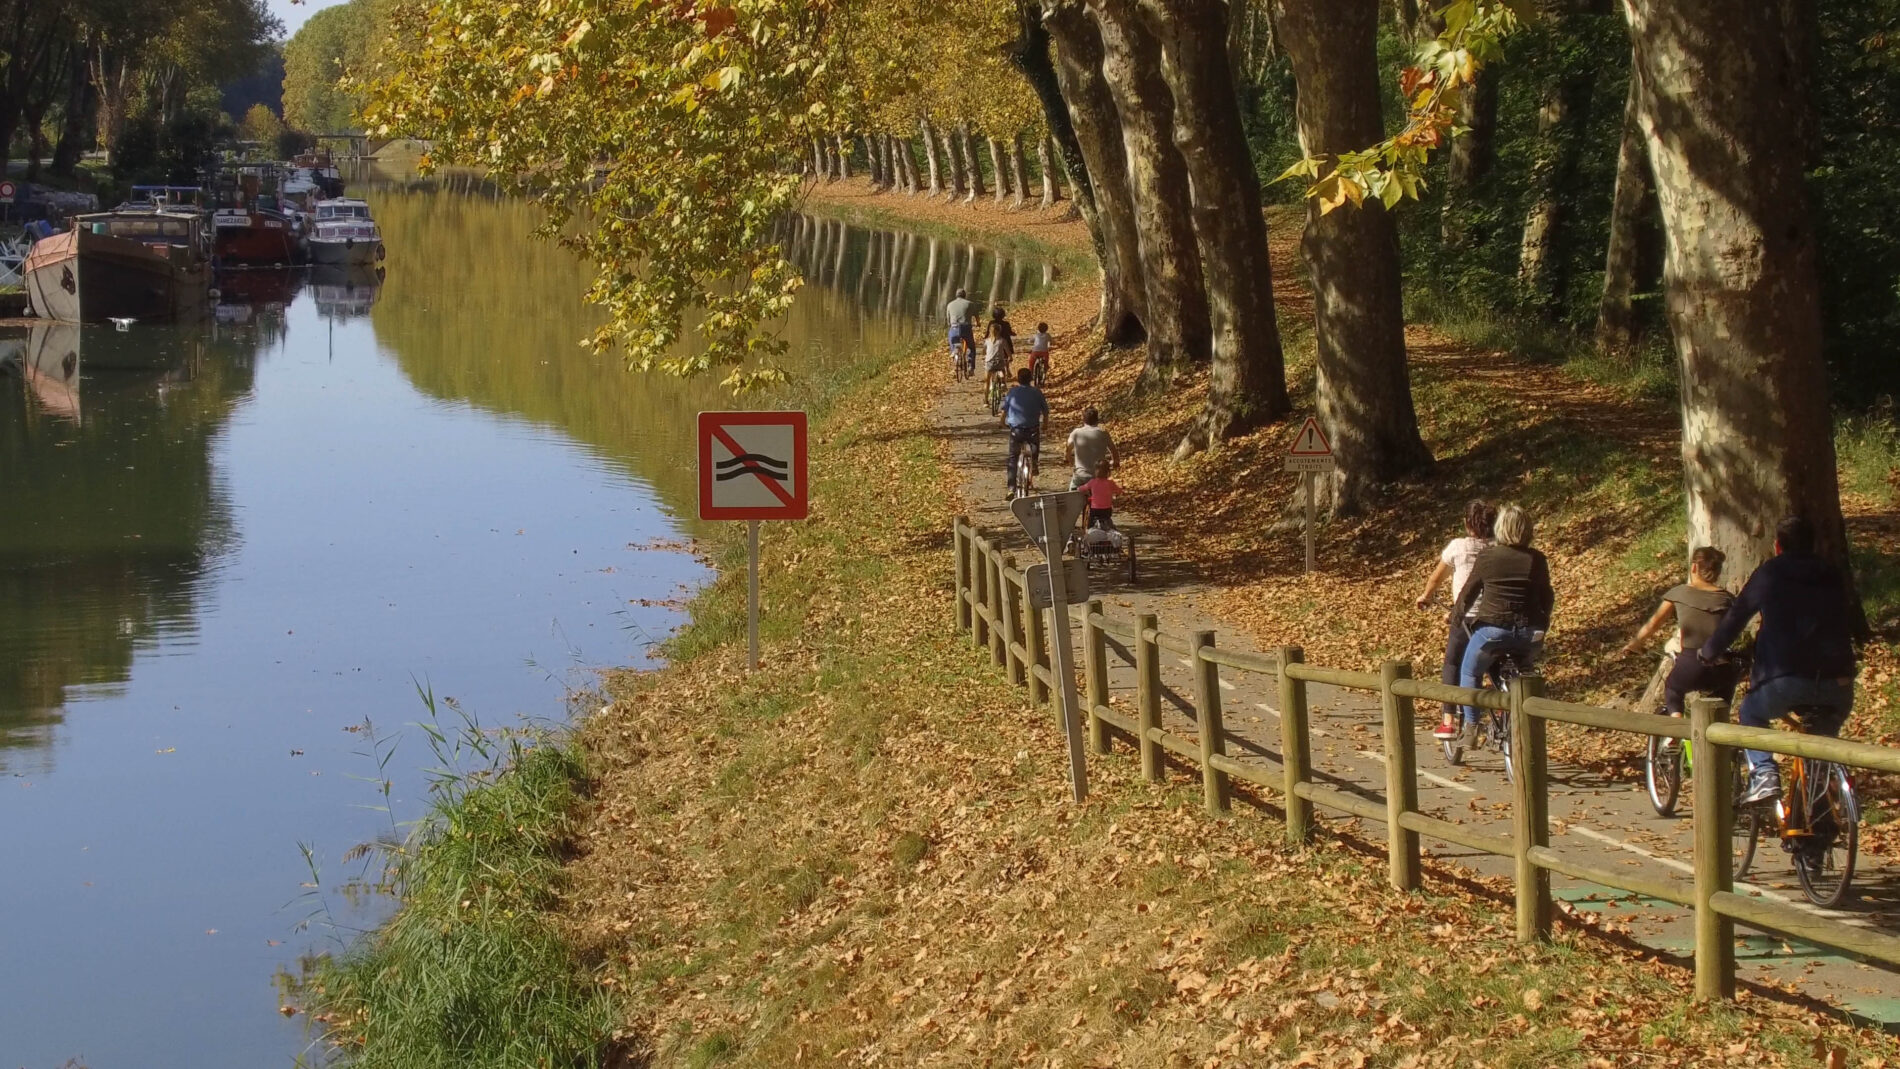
column 1088, row 446
column 1804, row 654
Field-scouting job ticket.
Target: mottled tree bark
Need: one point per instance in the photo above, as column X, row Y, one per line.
column 1561, row 119
column 1364, row 390
column 844, row 157
column 1633, row 263
column 929, row 138
column 1722, row 87
column 1177, row 319
column 1018, row 172
column 1100, row 175
column 953, row 158
column 1247, row 377
column 974, row 163
column 999, row 169
column 1044, row 167
column 1473, row 152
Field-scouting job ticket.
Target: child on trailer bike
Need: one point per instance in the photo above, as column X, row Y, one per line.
column 1698, row 606
column 1804, row 652
column 1025, row 412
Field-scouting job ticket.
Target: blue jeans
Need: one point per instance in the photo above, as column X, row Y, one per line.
column 1487, row 645
column 1775, row 697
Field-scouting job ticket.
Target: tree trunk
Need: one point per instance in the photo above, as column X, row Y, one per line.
column 1722, row 85
column 1364, row 391
column 844, row 157
column 1472, row 155
column 874, row 161
column 1560, row 124
column 959, row 168
column 1247, row 379
column 78, row 115
column 998, row 169
column 1043, row 165
column 1633, row 263
column 1177, row 319
column 1098, row 174
column 929, row 138
column 973, row 163
column 1018, row 171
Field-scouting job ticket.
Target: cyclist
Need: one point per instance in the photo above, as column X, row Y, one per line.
column 1088, row 446
column 1455, row 562
column 999, row 346
column 1508, row 600
column 1025, row 412
column 1698, row 606
column 1804, row 653
column 1039, row 343
column 962, row 328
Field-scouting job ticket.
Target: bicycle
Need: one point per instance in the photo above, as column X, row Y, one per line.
column 1816, row 819
column 1025, row 472
column 994, row 395
column 1665, row 767
column 1039, row 368
column 1494, row 725
column 962, row 359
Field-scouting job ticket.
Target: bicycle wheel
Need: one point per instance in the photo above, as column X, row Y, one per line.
column 1042, row 374
column 1501, row 738
column 1454, row 750
column 1025, row 474
column 1826, row 866
column 1748, row 822
column 1663, row 774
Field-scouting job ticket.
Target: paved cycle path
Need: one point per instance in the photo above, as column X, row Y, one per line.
column 1608, row 823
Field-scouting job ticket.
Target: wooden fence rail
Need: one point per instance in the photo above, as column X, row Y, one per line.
column 992, row 608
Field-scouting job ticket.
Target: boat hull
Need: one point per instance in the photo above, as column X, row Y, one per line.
column 81, row 277
column 261, row 241
column 348, row 253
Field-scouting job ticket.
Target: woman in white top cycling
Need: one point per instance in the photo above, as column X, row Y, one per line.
column 1456, row 561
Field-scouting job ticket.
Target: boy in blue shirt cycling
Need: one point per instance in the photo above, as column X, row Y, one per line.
column 1025, row 411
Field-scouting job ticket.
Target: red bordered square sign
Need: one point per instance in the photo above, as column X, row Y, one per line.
column 752, row 466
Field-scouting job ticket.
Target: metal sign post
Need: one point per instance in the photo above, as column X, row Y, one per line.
column 1310, row 455
column 752, row 467
column 1049, row 518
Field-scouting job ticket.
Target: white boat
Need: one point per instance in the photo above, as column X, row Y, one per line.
column 344, row 233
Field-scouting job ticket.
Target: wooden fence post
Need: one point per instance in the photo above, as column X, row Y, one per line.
column 960, row 546
column 1532, row 811
column 1714, row 857
column 1095, row 673
column 980, row 590
column 999, row 617
column 1035, row 633
column 1294, row 746
column 1207, row 717
column 1013, row 599
column 1401, row 779
column 1148, row 694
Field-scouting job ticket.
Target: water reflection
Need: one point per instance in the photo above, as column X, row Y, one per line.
column 113, row 514
column 345, row 291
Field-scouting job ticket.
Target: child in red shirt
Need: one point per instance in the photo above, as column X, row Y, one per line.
column 1101, row 491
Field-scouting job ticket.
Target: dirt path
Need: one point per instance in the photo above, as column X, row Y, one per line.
column 1602, row 815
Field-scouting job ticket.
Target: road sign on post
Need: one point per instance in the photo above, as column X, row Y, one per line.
column 1310, row 455
column 752, row 467
column 7, row 192
column 1049, row 518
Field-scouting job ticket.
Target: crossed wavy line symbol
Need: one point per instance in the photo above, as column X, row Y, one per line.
column 769, row 470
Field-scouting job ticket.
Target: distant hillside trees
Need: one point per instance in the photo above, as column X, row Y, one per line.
column 335, row 43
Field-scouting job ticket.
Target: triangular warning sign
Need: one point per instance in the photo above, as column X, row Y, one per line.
column 1311, row 442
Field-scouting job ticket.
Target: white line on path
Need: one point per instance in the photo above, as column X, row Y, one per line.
column 1313, row 731
column 1440, row 780
column 1189, row 665
column 1682, row 866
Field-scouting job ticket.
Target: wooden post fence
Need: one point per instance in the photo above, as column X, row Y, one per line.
column 992, row 606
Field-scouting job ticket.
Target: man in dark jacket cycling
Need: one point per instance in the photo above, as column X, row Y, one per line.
column 1804, row 655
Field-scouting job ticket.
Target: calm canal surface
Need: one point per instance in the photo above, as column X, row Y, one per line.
column 225, row 546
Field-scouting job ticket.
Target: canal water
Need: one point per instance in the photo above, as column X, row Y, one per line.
column 226, row 548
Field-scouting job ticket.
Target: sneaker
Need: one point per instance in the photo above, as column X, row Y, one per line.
column 1764, row 785
column 1671, row 747
column 1445, row 732
column 1469, row 736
